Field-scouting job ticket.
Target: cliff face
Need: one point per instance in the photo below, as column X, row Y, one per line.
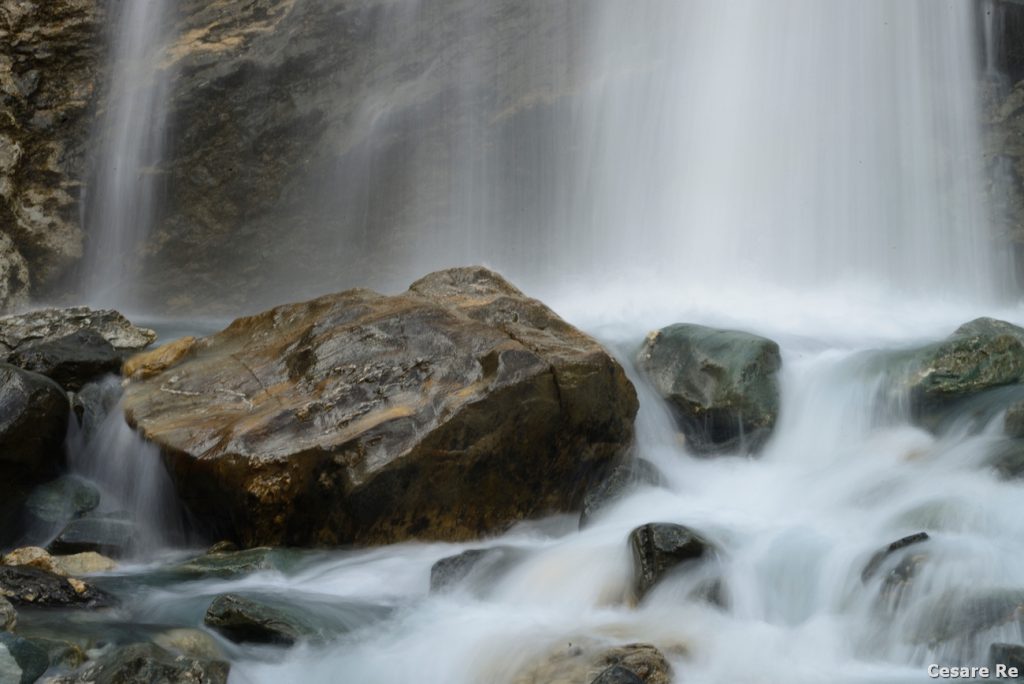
column 338, row 124
column 50, row 59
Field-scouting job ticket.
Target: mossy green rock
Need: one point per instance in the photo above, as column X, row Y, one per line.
column 980, row 355
column 722, row 385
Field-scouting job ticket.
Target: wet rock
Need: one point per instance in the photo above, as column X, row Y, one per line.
column 481, row 564
column 51, row 58
column 189, row 642
column 22, row 331
column 108, row 536
column 72, row 360
column 962, row 614
column 880, row 556
column 145, row 664
column 244, row 620
column 446, row 412
column 1010, row 655
column 1013, row 423
column 60, row 654
column 8, row 616
column 93, row 403
column 899, row 580
column 33, row 421
column 616, row 674
column 14, row 280
column 21, row 660
column 147, row 365
column 23, row 585
column 622, row 479
column 658, row 548
column 61, row 500
column 722, row 385
column 979, row 355
column 586, row 661
column 227, row 564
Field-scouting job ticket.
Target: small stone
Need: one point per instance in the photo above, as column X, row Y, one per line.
column 660, row 547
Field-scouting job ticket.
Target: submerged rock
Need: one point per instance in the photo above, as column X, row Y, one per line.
column 622, row 479
column 483, row 564
column 880, row 556
column 114, row 537
column 979, row 355
column 21, row 660
column 146, row 664
column 216, row 563
column 961, row 614
column 23, row 585
column 60, row 500
column 245, row 620
column 587, row 662
column 446, row 412
column 1013, row 422
column 658, row 548
column 722, row 385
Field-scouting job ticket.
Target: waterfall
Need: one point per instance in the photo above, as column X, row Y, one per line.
column 119, row 209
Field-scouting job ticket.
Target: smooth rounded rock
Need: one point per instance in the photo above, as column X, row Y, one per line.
column 107, row 536
column 722, row 385
column 30, row 660
column 245, row 620
column 60, row 500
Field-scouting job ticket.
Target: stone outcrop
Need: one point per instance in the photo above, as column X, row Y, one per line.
column 722, row 385
column 446, row 412
column 51, row 57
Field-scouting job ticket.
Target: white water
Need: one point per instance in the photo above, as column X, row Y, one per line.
column 805, row 169
column 120, row 209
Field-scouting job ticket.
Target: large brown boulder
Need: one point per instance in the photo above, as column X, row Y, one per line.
column 445, row 412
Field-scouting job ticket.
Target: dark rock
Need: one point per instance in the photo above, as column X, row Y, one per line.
column 616, row 674
column 93, row 403
column 721, row 384
column 24, row 585
column 33, row 422
column 1010, row 655
column 109, row 536
column 660, row 547
column 30, row 661
column 71, row 361
column 622, row 479
column 8, row 616
column 61, row 654
column 60, row 500
column 446, row 412
column 244, row 620
column 146, row 664
column 899, row 580
column 979, row 355
column 880, row 556
column 482, row 564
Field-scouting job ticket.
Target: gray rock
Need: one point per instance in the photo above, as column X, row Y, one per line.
column 446, row 412
column 245, row 620
column 660, row 547
column 29, row 661
column 962, row 614
column 60, row 500
column 8, row 616
column 146, row 664
column 1013, row 423
column 18, row 332
column 109, row 536
column 480, row 564
column 29, row 586
column 226, row 564
column 721, row 384
column 622, row 479
column 72, row 360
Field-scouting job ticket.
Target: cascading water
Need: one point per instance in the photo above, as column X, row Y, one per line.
column 120, row 209
column 807, row 170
